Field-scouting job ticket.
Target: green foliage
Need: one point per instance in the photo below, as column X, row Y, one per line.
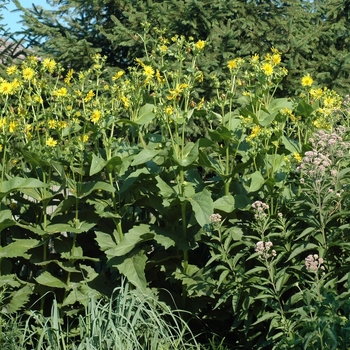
column 244, row 226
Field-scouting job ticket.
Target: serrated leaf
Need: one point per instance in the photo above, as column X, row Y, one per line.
column 18, row 248
column 18, row 299
column 48, row 280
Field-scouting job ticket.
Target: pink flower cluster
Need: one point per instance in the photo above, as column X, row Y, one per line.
column 215, row 218
column 260, row 208
column 313, row 263
column 263, row 249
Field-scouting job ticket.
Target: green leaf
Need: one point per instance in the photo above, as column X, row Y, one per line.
column 134, row 269
column 190, row 154
column 291, row 145
column 6, row 219
column 114, row 164
column 304, row 109
column 18, row 183
column 18, row 248
column 145, row 115
column 105, row 241
column 300, row 248
column 266, row 316
column 144, row 156
column 202, row 205
column 97, row 164
column 136, row 235
column 34, row 159
column 88, row 188
column 48, row 280
column 225, row 204
column 18, row 299
column 257, row 180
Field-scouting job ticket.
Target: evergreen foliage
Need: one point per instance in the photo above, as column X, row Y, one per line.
column 313, row 35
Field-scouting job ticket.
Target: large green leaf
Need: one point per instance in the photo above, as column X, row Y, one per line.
column 146, row 114
column 88, row 188
column 144, row 156
column 18, row 248
column 136, row 235
column 134, row 269
column 47, row 279
column 202, row 205
column 18, row 299
column 18, row 183
column 257, row 180
column 190, row 154
column 97, row 164
column 105, row 241
column 225, row 203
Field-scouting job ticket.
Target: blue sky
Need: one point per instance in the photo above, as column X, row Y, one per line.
column 11, row 19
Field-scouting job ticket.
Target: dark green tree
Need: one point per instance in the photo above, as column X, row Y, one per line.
column 312, row 35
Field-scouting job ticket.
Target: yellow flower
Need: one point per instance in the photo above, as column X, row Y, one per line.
column 168, row 110
column 232, row 64
column 316, row 93
column 235, row 63
column 126, row 101
column 200, row 45
column 254, row 59
column 28, row 73
column 254, row 133
column 163, row 48
column 49, row 64
column 118, row 75
column 89, row 96
column 68, row 77
column 60, row 92
column 96, row 116
column 267, row 68
column 148, row 71
column 38, row 99
column 62, row 124
column 84, row 138
column 297, row 157
column 329, row 101
column 6, row 88
column 1, row 148
column 50, row 142
column 306, row 80
column 3, row 122
column 11, row 70
column 13, row 126
column 52, row 124
column 276, row 59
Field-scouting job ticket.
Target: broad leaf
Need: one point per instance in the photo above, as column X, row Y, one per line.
column 202, row 205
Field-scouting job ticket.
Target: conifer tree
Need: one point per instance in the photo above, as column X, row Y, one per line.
column 313, row 35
